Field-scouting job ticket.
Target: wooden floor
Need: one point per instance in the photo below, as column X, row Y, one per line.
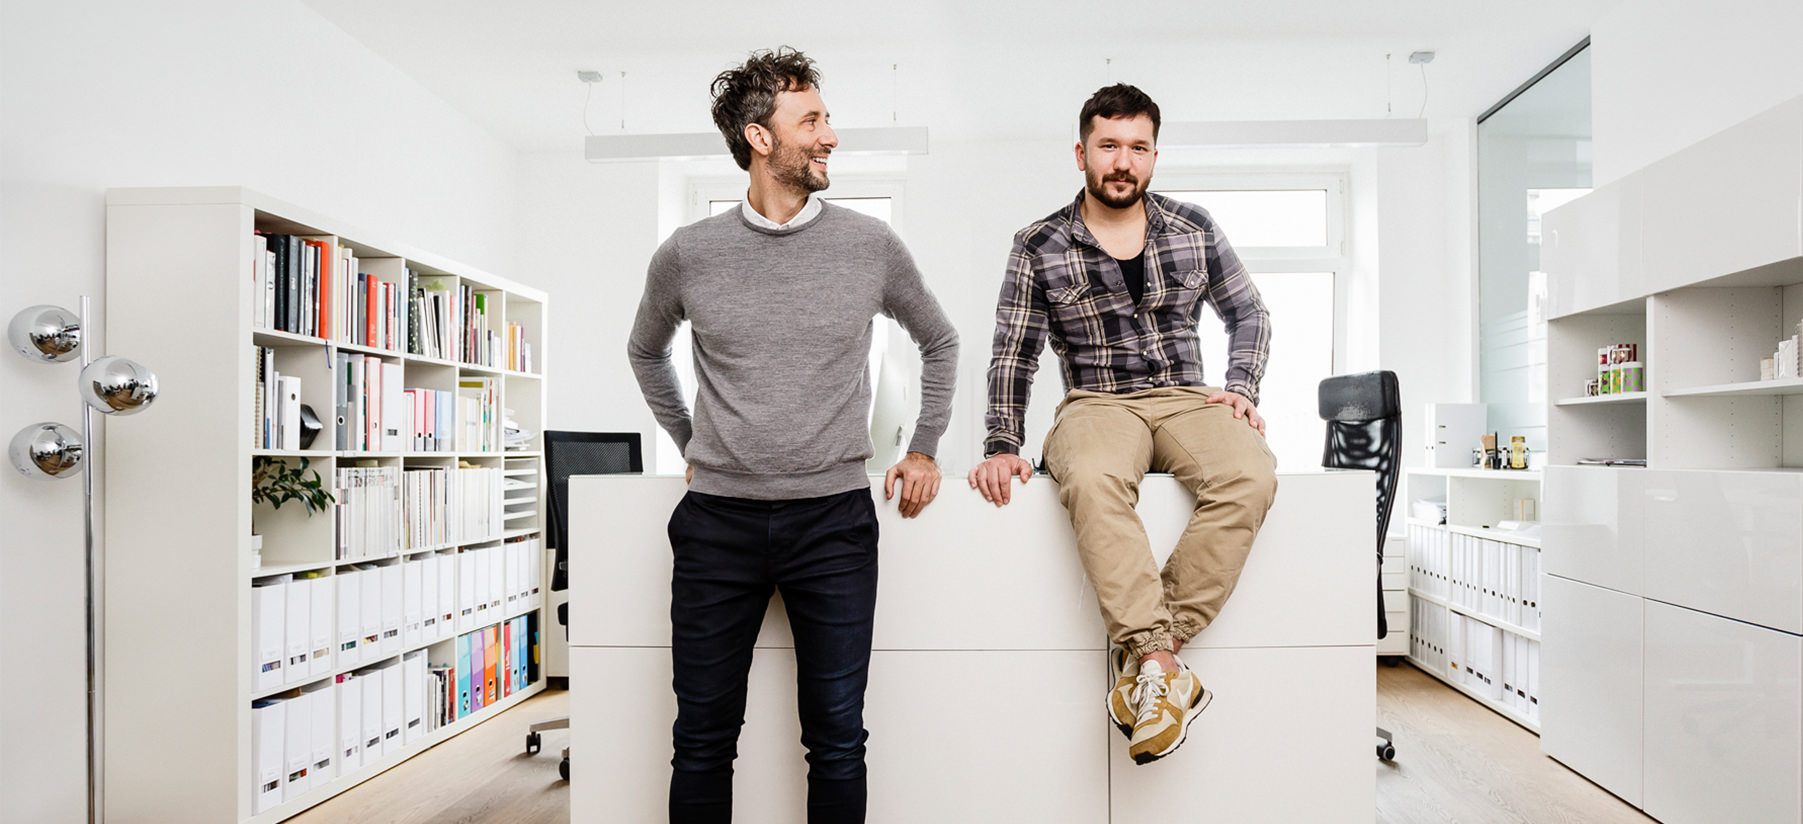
column 1459, row 762
column 1456, row 762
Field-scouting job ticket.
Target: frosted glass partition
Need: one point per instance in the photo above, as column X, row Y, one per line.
column 1533, row 154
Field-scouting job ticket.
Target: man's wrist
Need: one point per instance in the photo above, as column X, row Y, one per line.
column 994, row 448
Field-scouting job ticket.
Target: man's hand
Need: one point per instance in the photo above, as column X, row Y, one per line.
column 688, row 475
column 1242, row 408
column 919, row 477
column 992, row 476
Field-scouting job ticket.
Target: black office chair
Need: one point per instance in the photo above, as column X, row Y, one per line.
column 566, row 454
column 1364, row 431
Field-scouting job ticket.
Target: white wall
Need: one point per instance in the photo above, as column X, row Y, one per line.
column 206, row 92
column 1425, row 259
column 586, row 232
column 1667, row 73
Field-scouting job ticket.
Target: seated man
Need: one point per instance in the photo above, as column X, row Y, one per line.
column 1118, row 279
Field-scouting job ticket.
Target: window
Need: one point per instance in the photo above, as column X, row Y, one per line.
column 875, row 198
column 1289, row 231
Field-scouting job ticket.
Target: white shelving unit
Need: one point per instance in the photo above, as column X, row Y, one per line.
column 178, row 515
column 1675, row 590
column 1473, row 603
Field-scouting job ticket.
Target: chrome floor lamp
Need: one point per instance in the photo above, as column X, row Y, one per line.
column 49, row 450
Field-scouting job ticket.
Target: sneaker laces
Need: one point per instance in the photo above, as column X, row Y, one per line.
column 1147, row 689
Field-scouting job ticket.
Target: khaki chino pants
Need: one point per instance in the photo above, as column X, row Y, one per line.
column 1100, row 448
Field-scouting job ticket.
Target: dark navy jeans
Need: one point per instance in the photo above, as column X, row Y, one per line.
column 730, row 555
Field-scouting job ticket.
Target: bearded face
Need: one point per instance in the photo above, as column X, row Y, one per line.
column 800, row 166
column 1117, row 157
column 1115, row 189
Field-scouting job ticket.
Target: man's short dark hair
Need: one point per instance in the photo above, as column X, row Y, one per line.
column 747, row 93
column 1118, row 100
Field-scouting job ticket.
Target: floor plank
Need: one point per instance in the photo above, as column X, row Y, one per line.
column 1457, row 763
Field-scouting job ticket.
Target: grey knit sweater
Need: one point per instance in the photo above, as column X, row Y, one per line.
column 782, row 329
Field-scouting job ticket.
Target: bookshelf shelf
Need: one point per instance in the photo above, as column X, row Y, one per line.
column 382, row 660
column 1793, row 386
column 1468, row 612
column 1496, row 535
column 1473, row 472
column 1597, row 400
column 272, row 337
column 272, row 570
column 371, row 350
column 190, row 577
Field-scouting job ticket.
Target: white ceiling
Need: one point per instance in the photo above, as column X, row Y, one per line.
column 1008, row 69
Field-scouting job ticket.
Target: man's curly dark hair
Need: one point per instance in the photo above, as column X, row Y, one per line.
column 747, row 93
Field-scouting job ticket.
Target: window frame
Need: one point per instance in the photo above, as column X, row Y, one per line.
column 1334, row 258
column 703, row 191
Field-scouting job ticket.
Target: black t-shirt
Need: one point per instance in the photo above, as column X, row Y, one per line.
column 1134, row 272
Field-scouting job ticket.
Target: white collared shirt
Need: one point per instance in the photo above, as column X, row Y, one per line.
column 809, row 211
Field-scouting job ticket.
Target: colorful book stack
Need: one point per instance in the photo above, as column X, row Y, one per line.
column 373, row 311
column 519, row 350
column 437, row 311
column 294, row 277
column 495, row 662
column 481, row 345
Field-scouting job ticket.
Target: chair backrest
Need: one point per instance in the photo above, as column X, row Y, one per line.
column 581, row 453
column 1364, row 431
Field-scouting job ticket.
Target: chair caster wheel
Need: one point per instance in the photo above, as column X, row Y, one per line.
column 563, row 769
column 1386, row 752
column 532, row 743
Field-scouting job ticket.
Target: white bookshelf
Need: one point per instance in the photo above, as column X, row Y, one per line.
column 1651, row 596
column 1473, row 621
column 178, row 515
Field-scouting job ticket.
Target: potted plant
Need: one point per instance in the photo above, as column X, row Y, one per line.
column 275, row 481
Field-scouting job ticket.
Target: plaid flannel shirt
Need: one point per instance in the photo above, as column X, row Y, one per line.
column 1060, row 283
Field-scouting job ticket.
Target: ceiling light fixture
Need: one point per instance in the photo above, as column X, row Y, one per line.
column 612, row 148
column 1296, row 134
column 607, row 148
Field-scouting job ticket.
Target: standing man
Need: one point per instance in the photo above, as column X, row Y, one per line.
column 779, row 294
column 1117, row 280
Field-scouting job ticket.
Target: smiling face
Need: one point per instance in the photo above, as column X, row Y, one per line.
column 1117, row 159
column 798, row 140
